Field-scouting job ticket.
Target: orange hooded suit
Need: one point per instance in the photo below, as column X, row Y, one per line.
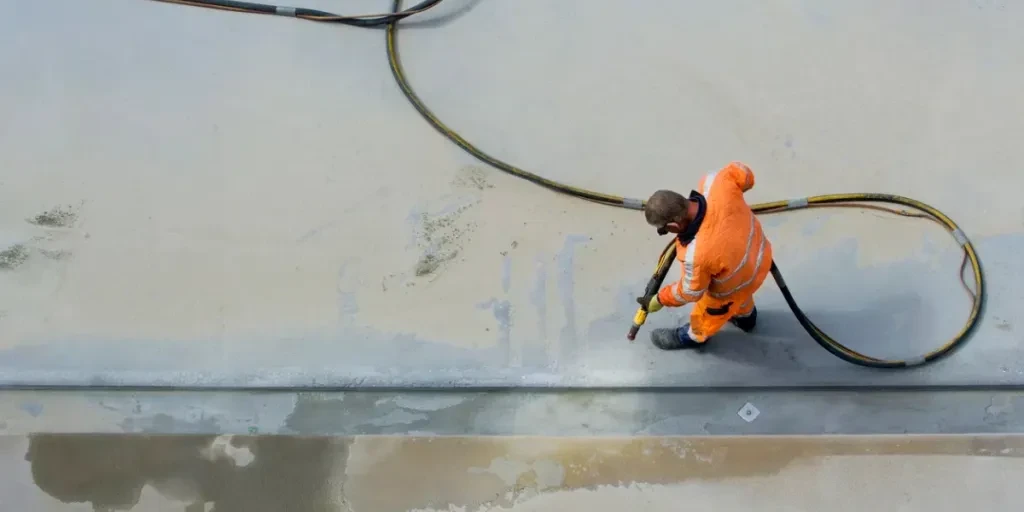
column 727, row 258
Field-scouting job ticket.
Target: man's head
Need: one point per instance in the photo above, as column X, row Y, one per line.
column 668, row 211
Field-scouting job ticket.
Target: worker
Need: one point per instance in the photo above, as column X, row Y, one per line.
column 725, row 256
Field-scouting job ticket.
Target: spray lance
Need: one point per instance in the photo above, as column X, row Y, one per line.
column 668, row 256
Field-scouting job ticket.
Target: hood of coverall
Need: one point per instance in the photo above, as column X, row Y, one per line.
column 686, row 235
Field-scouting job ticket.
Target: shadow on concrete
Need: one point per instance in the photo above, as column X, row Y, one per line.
column 236, row 474
column 894, row 327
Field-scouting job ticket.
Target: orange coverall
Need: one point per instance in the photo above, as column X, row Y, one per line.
column 727, row 260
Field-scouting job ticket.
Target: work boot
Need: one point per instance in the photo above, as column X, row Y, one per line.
column 747, row 323
column 674, row 339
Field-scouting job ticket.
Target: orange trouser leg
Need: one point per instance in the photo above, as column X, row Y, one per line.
column 710, row 315
column 745, row 308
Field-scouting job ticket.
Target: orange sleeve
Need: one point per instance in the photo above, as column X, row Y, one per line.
column 691, row 285
column 740, row 174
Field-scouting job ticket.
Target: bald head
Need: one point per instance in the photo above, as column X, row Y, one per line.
column 665, row 207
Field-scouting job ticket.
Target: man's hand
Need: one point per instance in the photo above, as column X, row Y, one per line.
column 654, row 306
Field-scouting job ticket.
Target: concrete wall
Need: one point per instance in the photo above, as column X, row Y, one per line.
column 209, row 198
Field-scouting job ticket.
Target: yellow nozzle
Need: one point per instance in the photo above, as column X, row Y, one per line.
column 638, row 320
column 640, row 317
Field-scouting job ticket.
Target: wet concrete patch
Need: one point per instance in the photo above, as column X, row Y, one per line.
column 373, row 413
column 483, row 473
column 236, row 474
column 396, row 473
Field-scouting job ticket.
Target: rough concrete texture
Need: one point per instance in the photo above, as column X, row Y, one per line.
column 392, row 474
column 191, row 197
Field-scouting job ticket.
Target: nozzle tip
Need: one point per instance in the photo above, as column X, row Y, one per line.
column 631, row 335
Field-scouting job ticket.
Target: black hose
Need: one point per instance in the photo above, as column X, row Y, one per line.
column 361, row 20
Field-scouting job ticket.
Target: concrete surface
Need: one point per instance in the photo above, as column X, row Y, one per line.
column 386, row 474
column 208, row 199
column 514, row 413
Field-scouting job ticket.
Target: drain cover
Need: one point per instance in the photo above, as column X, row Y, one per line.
column 748, row 412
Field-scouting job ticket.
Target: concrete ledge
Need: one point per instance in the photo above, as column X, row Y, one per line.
column 512, row 413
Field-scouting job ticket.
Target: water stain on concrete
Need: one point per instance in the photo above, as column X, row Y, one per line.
column 166, row 423
column 506, row 274
column 432, row 403
column 371, row 414
column 477, row 473
column 34, row 409
column 539, row 300
column 502, row 311
column 566, row 289
column 398, row 417
column 348, row 300
column 270, row 473
column 250, row 474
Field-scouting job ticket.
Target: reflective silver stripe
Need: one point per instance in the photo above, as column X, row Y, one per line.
column 797, row 203
column 757, row 265
column 676, row 293
column 917, row 361
column 681, row 296
column 691, row 249
column 960, row 237
column 708, row 181
column 285, row 11
column 746, row 253
column 693, row 336
column 631, row 202
column 745, row 304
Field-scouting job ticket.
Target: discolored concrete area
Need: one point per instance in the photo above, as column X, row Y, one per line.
column 379, row 474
